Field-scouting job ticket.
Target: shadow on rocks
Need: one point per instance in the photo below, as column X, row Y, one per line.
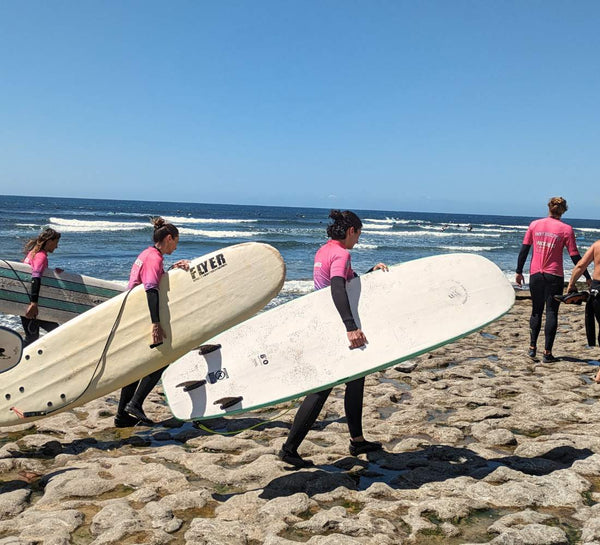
column 411, row 470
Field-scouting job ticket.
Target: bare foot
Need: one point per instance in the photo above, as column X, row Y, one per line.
column 597, row 378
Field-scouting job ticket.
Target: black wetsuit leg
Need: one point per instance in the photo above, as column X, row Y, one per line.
column 305, row 418
column 595, row 301
column 311, row 407
column 126, row 395
column 145, row 386
column 32, row 329
column 543, row 288
column 353, row 406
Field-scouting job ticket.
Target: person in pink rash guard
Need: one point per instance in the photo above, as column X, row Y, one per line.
column 333, row 267
column 37, row 250
column 548, row 237
column 148, row 269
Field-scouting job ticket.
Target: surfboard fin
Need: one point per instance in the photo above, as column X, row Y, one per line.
column 208, row 348
column 190, row 385
column 227, row 402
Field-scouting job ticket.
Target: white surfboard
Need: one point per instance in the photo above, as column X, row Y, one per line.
column 62, row 295
column 11, row 348
column 107, row 347
column 302, row 347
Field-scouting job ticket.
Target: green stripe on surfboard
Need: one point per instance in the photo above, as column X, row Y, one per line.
column 17, row 297
column 66, row 285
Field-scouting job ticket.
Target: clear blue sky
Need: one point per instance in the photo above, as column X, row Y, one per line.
column 450, row 105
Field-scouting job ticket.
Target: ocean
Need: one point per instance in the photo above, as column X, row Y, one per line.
column 101, row 238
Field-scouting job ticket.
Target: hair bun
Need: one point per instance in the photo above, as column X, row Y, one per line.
column 158, row 222
column 336, row 215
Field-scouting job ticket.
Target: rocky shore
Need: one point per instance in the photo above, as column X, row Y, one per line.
column 482, row 445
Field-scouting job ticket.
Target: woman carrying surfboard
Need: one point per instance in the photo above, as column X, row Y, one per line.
column 148, row 269
column 37, row 250
column 332, row 267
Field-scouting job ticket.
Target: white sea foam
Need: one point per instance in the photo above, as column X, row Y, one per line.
column 470, row 248
column 506, row 227
column 72, row 226
column 182, row 219
column 368, row 226
column 218, row 234
column 364, row 246
column 299, row 287
column 587, row 229
column 432, row 234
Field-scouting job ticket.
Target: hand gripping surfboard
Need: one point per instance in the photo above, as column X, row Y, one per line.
column 302, row 347
column 107, row 347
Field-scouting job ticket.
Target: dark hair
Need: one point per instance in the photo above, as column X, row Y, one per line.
column 557, row 206
column 162, row 229
column 39, row 243
column 342, row 221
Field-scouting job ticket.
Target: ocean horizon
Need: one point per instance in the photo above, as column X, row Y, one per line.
column 102, row 237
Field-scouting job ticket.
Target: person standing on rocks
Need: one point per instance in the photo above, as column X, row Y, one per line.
column 592, row 255
column 37, row 250
column 548, row 236
column 148, row 270
column 332, row 267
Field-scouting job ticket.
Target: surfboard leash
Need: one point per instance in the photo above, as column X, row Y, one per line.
column 235, row 432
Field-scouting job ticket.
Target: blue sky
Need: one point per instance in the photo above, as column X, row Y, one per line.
column 445, row 106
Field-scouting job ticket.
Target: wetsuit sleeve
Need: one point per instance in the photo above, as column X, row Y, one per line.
column 576, row 259
column 36, row 282
column 152, row 296
column 522, row 257
column 341, row 302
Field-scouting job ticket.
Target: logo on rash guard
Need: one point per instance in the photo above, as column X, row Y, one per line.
column 212, row 264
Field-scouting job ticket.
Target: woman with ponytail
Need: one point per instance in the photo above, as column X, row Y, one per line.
column 332, row 267
column 148, row 270
column 548, row 236
column 36, row 251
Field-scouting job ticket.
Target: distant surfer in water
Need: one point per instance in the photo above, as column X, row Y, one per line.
column 148, row 270
column 332, row 267
column 593, row 305
column 37, row 250
column 548, row 236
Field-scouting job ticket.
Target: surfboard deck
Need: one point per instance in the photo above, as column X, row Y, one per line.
column 11, row 348
column 107, row 347
column 62, row 295
column 302, row 347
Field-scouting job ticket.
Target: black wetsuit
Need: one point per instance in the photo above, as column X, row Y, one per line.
column 353, row 396
column 31, row 326
column 543, row 287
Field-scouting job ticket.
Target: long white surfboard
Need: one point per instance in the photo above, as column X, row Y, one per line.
column 302, row 347
column 107, row 347
column 62, row 295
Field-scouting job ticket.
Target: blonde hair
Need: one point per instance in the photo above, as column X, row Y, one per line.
column 557, row 206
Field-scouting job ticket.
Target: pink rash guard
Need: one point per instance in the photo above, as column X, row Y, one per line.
column 332, row 259
column 38, row 263
column 549, row 236
column 147, row 269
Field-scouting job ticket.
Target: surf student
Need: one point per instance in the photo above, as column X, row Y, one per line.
column 548, row 236
column 592, row 308
column 332, row 267
column 148, row 269
column 36, row 251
